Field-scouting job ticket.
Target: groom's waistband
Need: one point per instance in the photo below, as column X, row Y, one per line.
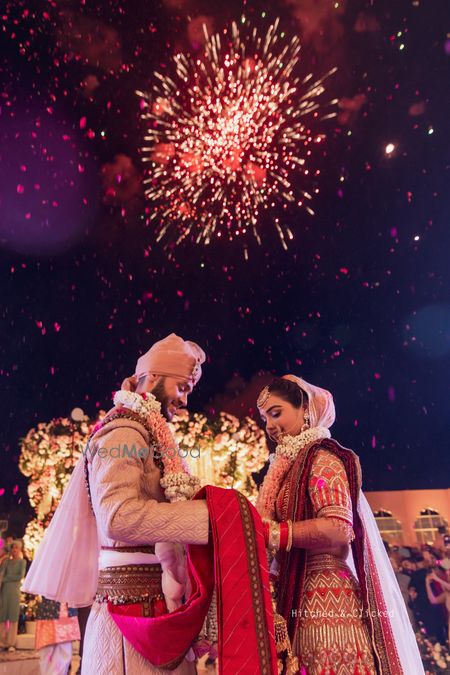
column 126, row 584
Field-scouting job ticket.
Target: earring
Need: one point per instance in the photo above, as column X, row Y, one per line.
column 305, row 420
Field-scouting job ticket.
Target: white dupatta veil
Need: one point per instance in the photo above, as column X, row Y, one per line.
column 65, row 567
column 394, row 603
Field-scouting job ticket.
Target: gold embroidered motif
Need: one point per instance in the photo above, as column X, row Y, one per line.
column 328, row 487
column 127, row 584
column 256, row 586
column 332, row 635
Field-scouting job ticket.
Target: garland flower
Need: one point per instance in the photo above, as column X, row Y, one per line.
column 177, row 481
column 281, row 461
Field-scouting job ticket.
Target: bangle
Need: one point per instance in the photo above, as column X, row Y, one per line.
column 284, row 535
column 274, row 536
column 290, row 535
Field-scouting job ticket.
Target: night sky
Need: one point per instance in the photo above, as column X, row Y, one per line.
column 360, row 301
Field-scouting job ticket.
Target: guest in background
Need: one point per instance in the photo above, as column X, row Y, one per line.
column 3, row 558
column 403, row 582
column 427, row 615
column 9, row 541
column 408, row 566
column 5, row 549
column 445, row 563
column 14, row 572
column 56, row 628
column 438, row 592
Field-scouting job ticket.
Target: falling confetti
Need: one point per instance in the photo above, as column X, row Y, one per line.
column 103, row 290
column 227, row 134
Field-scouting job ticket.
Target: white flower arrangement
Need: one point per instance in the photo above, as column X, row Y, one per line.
column 281, row 461
column 290, row 446
column 137, row 403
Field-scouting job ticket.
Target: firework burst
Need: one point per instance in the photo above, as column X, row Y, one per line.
column 228, row 133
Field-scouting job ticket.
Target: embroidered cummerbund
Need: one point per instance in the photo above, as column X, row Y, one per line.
column 127, row 584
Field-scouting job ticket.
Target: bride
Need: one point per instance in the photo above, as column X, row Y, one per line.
column 333, row 582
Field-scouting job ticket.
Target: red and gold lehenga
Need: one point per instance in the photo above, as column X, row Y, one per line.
column 326, row 609
column 342, row 612
column 336, row 620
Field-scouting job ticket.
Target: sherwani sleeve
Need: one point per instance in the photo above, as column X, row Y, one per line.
column 124, row 513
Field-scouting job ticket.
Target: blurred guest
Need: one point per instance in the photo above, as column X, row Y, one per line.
column 441, row 535
column 6, row 545
column 9, row 540
column 403, row 582
column 408, row 566
column 438, row 591
column 14, row 572
column 56, row 628
column 3, row 557
column 446, row 550
column 427, row 615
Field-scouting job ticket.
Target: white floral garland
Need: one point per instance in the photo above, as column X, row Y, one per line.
column 281, row 461
column 290, row 446
column 177, row 481
column 136, row 402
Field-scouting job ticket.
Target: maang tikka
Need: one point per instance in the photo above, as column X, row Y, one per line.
column 263, row 396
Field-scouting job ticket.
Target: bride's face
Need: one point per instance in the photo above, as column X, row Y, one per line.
column 281, row 417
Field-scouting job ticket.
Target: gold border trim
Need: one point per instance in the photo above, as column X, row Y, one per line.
column 259, row 607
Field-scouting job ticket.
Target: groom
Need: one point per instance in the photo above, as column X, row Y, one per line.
column 127, row 515
column 130, row 501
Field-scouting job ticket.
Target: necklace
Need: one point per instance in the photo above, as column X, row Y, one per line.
column 285, row 455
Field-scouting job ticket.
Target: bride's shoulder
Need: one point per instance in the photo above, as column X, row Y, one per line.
column 326, row 463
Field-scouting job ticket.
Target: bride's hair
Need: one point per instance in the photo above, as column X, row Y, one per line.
column 289, row 391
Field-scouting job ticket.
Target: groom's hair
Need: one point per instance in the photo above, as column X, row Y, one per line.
column 288, row 391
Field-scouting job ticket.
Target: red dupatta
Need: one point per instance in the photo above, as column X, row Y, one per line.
column 235, row 562
column 296, row 506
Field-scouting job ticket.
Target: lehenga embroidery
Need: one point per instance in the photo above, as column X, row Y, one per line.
column 329, row 624
column 332, row 635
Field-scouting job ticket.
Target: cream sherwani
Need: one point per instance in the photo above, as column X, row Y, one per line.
column 130, row 510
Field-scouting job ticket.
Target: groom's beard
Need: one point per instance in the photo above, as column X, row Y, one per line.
column 159, row 392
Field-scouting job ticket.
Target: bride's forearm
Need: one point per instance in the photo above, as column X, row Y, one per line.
column 320, row 533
